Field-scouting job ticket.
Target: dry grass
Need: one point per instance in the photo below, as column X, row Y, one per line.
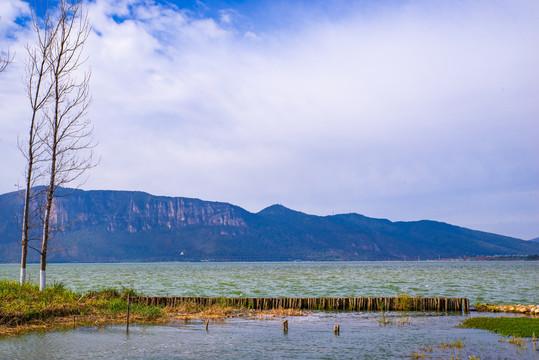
column 69, row 322
column 191, row 311
column 170, row 315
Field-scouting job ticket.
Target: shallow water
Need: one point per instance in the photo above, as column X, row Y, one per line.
column 311, row 337
column 500, row 282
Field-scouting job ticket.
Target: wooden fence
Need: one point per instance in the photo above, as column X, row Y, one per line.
column 402, row 303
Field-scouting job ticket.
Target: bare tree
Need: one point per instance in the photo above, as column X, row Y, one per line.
column 38, row 90
column 5, row 58
column 68, row 141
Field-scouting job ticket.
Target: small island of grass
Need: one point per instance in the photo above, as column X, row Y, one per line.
column 509, row 326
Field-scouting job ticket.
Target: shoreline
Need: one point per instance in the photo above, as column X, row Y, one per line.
column 23, row 308
column 169, row 317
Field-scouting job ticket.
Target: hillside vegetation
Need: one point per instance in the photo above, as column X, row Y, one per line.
column 107, row 226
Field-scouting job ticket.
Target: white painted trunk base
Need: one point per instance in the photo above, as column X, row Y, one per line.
column 23, row 275
column 42, row 280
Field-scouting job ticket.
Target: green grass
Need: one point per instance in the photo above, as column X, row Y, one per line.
column 25, row 302
column 21, row 304
column 510, row 326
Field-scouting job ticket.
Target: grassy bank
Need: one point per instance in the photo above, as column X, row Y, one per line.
column 24, row 308
column 510, row 326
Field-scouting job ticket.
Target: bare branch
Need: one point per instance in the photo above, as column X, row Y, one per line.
column 5, row 58
column 38, row 91
column 60, row 143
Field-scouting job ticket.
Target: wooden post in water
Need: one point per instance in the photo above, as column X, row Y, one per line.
column 337, row 330
column 127, row 321
column 285, row 326
column 207, row 323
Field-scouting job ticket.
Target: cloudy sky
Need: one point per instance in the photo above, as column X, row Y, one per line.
column 404, row 110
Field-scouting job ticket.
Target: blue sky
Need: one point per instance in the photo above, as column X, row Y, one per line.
column 404, row 110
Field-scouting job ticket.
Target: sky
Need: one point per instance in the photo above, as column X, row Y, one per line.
column 405, row 110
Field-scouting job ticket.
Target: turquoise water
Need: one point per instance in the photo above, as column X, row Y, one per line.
column 365, row 335
column 500, row 282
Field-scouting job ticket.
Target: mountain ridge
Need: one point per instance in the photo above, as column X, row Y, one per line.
column 110, row 225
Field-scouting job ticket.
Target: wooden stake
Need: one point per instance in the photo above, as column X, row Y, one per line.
column 285, row 326
column 207, row 323
column 337, row 330
column 351, row 304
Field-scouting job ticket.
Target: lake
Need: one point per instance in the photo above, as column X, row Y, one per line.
column 366, row 335
column 499, row 282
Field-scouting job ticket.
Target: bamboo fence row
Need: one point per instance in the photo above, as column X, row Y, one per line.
column 401, row 303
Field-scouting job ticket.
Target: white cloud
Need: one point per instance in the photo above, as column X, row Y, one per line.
column 404, row 112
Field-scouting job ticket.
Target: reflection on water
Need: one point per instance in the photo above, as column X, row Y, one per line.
column 362, row 336
column 494, row 282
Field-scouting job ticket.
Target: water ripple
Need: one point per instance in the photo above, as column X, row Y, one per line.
column 494, row 282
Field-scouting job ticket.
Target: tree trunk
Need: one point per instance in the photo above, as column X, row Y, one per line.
column 27, row 198
column 68, row 132
column 24, row 241
column 46, row 234
column 23, row 261
column 37, row 68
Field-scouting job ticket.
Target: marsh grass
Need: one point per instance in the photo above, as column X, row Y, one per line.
column 404, row 302
column 190, row 310
column 428, row 352
column 21, row 303
column 509, row 326
column 24, row 308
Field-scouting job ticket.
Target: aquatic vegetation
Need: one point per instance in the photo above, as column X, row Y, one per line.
column 384, row 320
column 426, row 351
column 510, row 326
column 520, row 344
column 404, row 320
column 518, row 341
column 456, row 345
column 404, row 302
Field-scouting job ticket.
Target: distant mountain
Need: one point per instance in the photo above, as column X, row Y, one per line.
column 111, row 226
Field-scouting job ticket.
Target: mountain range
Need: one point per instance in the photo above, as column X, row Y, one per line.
column 110, row 226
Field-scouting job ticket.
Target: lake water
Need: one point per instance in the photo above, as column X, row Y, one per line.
column 362, row 336
column 503, row 282
column 366, row 335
